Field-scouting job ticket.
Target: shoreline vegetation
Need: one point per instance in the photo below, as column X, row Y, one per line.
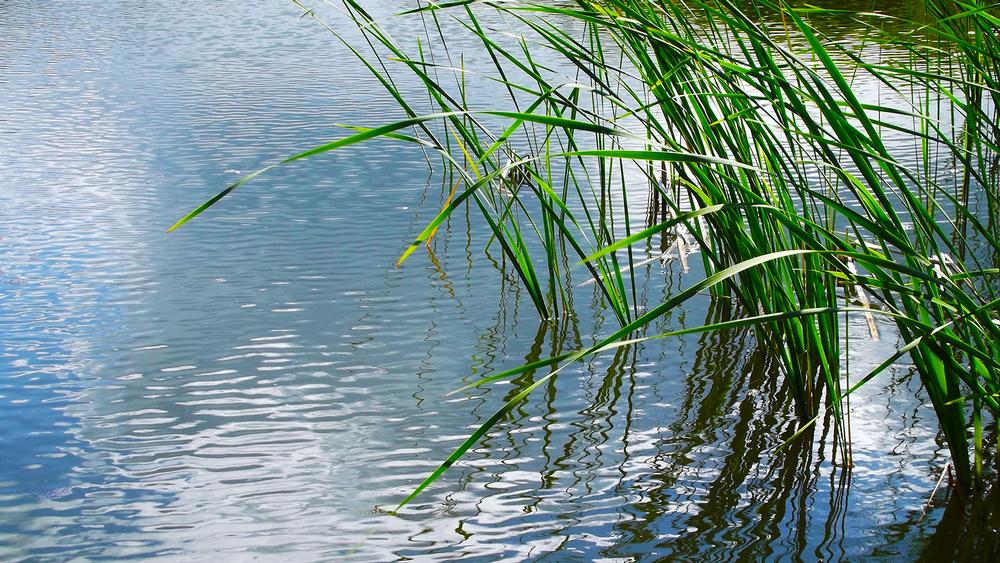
column 760, row 164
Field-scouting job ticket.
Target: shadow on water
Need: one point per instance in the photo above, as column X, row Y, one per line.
column 718, row 486
column 967, row 532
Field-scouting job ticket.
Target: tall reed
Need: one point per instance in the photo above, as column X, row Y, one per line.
column 742, row 125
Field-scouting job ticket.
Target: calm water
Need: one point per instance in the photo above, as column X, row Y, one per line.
column 264, row 384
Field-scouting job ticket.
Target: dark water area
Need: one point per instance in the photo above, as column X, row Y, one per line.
column 265, row 384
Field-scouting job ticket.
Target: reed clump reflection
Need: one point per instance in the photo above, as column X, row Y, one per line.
column 733, row 136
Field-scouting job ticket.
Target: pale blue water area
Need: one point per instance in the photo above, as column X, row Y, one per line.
column 265, row 384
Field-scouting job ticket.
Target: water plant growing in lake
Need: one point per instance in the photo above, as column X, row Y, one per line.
column 740, row 122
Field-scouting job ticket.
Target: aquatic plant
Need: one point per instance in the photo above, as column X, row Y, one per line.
column 751, row 145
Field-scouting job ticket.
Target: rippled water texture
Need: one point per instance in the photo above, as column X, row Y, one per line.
column 265, row 384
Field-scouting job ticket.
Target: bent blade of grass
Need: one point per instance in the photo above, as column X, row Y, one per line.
column 212, row 201
column 364, row 135
column 506, row 374
column 662, row 156
column 648, row 232
column 724, row 325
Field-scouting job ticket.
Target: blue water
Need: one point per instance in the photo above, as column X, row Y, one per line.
column 265, row 384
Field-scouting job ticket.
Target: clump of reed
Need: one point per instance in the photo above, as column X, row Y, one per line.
column 756, row 147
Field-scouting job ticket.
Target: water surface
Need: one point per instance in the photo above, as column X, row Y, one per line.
column 265, row 384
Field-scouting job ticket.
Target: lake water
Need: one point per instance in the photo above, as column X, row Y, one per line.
column 264, row 383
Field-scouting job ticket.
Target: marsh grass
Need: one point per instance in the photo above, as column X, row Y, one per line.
column 749, row 142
